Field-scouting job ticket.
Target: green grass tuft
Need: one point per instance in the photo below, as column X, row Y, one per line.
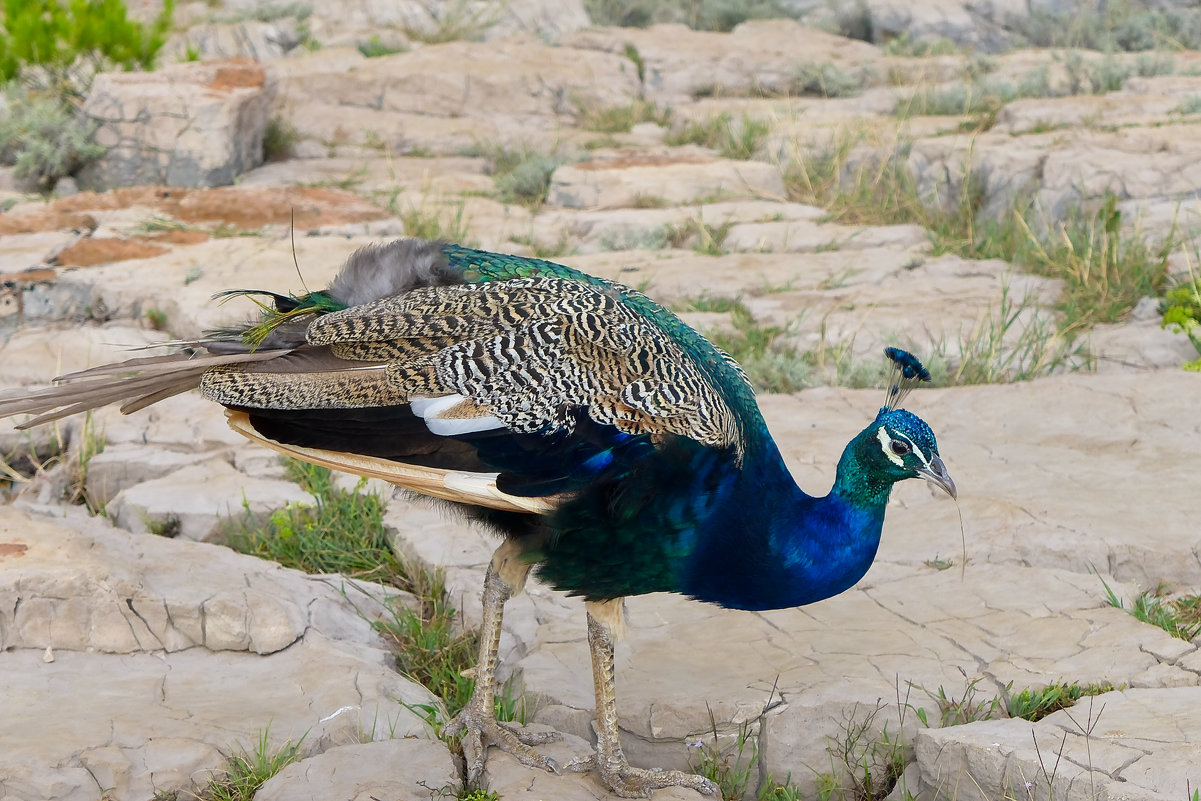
column 1034, row 704
column 1180, row 616
column 247, row 771
column 343, row 532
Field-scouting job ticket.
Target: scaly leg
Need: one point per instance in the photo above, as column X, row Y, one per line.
column 477, row 720
column 610, row 760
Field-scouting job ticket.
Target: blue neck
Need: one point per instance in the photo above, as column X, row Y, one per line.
column 790, row 549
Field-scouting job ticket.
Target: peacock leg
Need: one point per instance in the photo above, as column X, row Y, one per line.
column 477, row 720
column 610, row 760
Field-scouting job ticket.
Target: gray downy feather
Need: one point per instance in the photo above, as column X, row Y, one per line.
column 381, row 271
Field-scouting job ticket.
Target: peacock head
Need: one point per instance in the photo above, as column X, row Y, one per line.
column 906, row 445
column 907, row 449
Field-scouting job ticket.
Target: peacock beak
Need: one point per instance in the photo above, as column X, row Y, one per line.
column 937, row 475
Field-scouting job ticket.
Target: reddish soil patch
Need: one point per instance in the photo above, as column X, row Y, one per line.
column 89, row 252
column 35, row 276
column 188, row 237
column 238, row 74
column 49, row 219
column 242, row 208
column 12, row 549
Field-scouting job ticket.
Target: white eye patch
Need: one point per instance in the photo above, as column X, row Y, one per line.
column 886, row 445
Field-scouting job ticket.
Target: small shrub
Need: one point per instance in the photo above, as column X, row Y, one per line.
column 375, row 47
column 1182, row 313
column 826, row 80
column 521, row 175
column 55, row 34
column 45, row 137
column 279, row 139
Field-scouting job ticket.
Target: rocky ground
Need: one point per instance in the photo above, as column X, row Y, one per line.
column 135, row 664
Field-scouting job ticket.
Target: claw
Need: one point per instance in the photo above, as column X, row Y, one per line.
column 480, row 730
column 630, row 782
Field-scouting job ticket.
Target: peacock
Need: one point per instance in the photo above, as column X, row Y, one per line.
column 614, row 448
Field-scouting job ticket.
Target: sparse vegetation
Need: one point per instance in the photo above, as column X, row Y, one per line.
column 734, row 139
column 620, row 119
column 702, row 237
column 375, row 47
column 701, row 15
column 1105, row 269
column 1179, row 616
column 826, row 80
column 45, row 137
column 1122, row 26
column 1034, row 704
column 1012, row 341
column 456, row 20
column 1182, row 313
column 436, row 221
column 920, row 47
column 247, row 771
column 343, row 533
column 521, row 174
column 728, row 767
column 279, row 138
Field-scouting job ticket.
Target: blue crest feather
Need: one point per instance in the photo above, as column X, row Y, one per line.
column 905, row 373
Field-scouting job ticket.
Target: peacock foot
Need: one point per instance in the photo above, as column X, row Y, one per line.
column 630, row 782
column 480, row 729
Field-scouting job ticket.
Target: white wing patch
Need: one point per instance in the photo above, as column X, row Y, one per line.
column 439, row 417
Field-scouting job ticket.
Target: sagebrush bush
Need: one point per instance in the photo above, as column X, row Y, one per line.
column 45, row 137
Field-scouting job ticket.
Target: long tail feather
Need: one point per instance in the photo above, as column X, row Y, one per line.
column 137, row 382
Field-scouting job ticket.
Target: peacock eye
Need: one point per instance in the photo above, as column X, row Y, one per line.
column 900, row 447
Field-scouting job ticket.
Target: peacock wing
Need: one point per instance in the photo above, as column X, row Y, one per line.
column 546, row 380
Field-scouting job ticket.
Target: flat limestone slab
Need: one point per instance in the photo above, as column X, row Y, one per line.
column 1137, row 744
column 135, row 663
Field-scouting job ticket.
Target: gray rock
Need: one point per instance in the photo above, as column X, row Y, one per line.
column 191, row 124
column 680, row 64
column 674, row 179
column 1139, row 744
column 184, row 652
column 388, row 769
column 201, row 501
column 120, row 467
column 251, row 39
column 439, row 98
